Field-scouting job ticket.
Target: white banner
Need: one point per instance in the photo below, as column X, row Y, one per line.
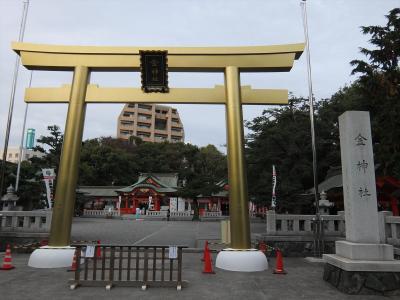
column 273, row 202
column 48, row 178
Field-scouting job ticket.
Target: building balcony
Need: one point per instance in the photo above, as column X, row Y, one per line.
column 144, row 120
column 177, row 133
column 177, row 128
column 127, row 116
column 143, row 134
column 161, row 131
column 144, row 129
column 125, row 129
column 145, row 106
column 145, row 111
column 161, row 116
column 125, row 133
column 126, row 126
column 126, row 120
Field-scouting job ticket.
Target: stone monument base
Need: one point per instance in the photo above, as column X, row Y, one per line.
column 363, row 282
column 364, row 251
column 366, row 277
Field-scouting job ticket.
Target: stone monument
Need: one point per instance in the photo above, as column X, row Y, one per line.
column 363, row 263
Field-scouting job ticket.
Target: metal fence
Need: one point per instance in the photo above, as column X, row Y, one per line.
column 126, row 265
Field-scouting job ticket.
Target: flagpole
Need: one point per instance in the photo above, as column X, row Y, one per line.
column 12, row 97
column 21, row 145
column 311, row 104
column 314, row 152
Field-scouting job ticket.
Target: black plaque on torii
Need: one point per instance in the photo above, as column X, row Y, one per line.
column 154, row 71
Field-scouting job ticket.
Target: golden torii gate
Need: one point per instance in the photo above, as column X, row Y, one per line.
column 84, row 59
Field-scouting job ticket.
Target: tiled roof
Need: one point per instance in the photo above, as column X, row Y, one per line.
column 98, row 191
column 166, row 179
column 161, row 181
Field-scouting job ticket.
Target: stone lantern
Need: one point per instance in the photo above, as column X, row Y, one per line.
column 9, row 200
column 324, row 204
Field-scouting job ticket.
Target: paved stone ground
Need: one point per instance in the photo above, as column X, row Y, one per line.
column 115, row 231
column 303, row 281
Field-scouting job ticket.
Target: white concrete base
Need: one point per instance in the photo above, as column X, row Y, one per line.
column 363, row 251
column 348, row 264
column 249, row 260
column 51, row 257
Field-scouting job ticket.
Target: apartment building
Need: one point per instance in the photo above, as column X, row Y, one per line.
column 150, row 122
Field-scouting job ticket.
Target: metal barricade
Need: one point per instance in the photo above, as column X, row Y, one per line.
column 127, row 265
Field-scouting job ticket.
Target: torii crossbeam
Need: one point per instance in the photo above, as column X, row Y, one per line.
column 84, row 59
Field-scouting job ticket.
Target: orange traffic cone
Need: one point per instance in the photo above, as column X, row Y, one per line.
column 74, row 263
column 7, row 262
column 98, row 251
column 205, row 249
column 279, row 263
column 207, row 263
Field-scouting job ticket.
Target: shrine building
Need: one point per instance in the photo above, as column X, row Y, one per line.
column 152, row 191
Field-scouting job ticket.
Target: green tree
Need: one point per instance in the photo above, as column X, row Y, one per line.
column 282, row 137
column 108, row 161
column 202, row 169
column 50, row 145
column 379, row 86
column 9, row 176
column 160, row 157
column 327, row 118
column 31, row 188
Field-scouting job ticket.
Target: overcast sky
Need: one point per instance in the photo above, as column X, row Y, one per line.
column 335, row 38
